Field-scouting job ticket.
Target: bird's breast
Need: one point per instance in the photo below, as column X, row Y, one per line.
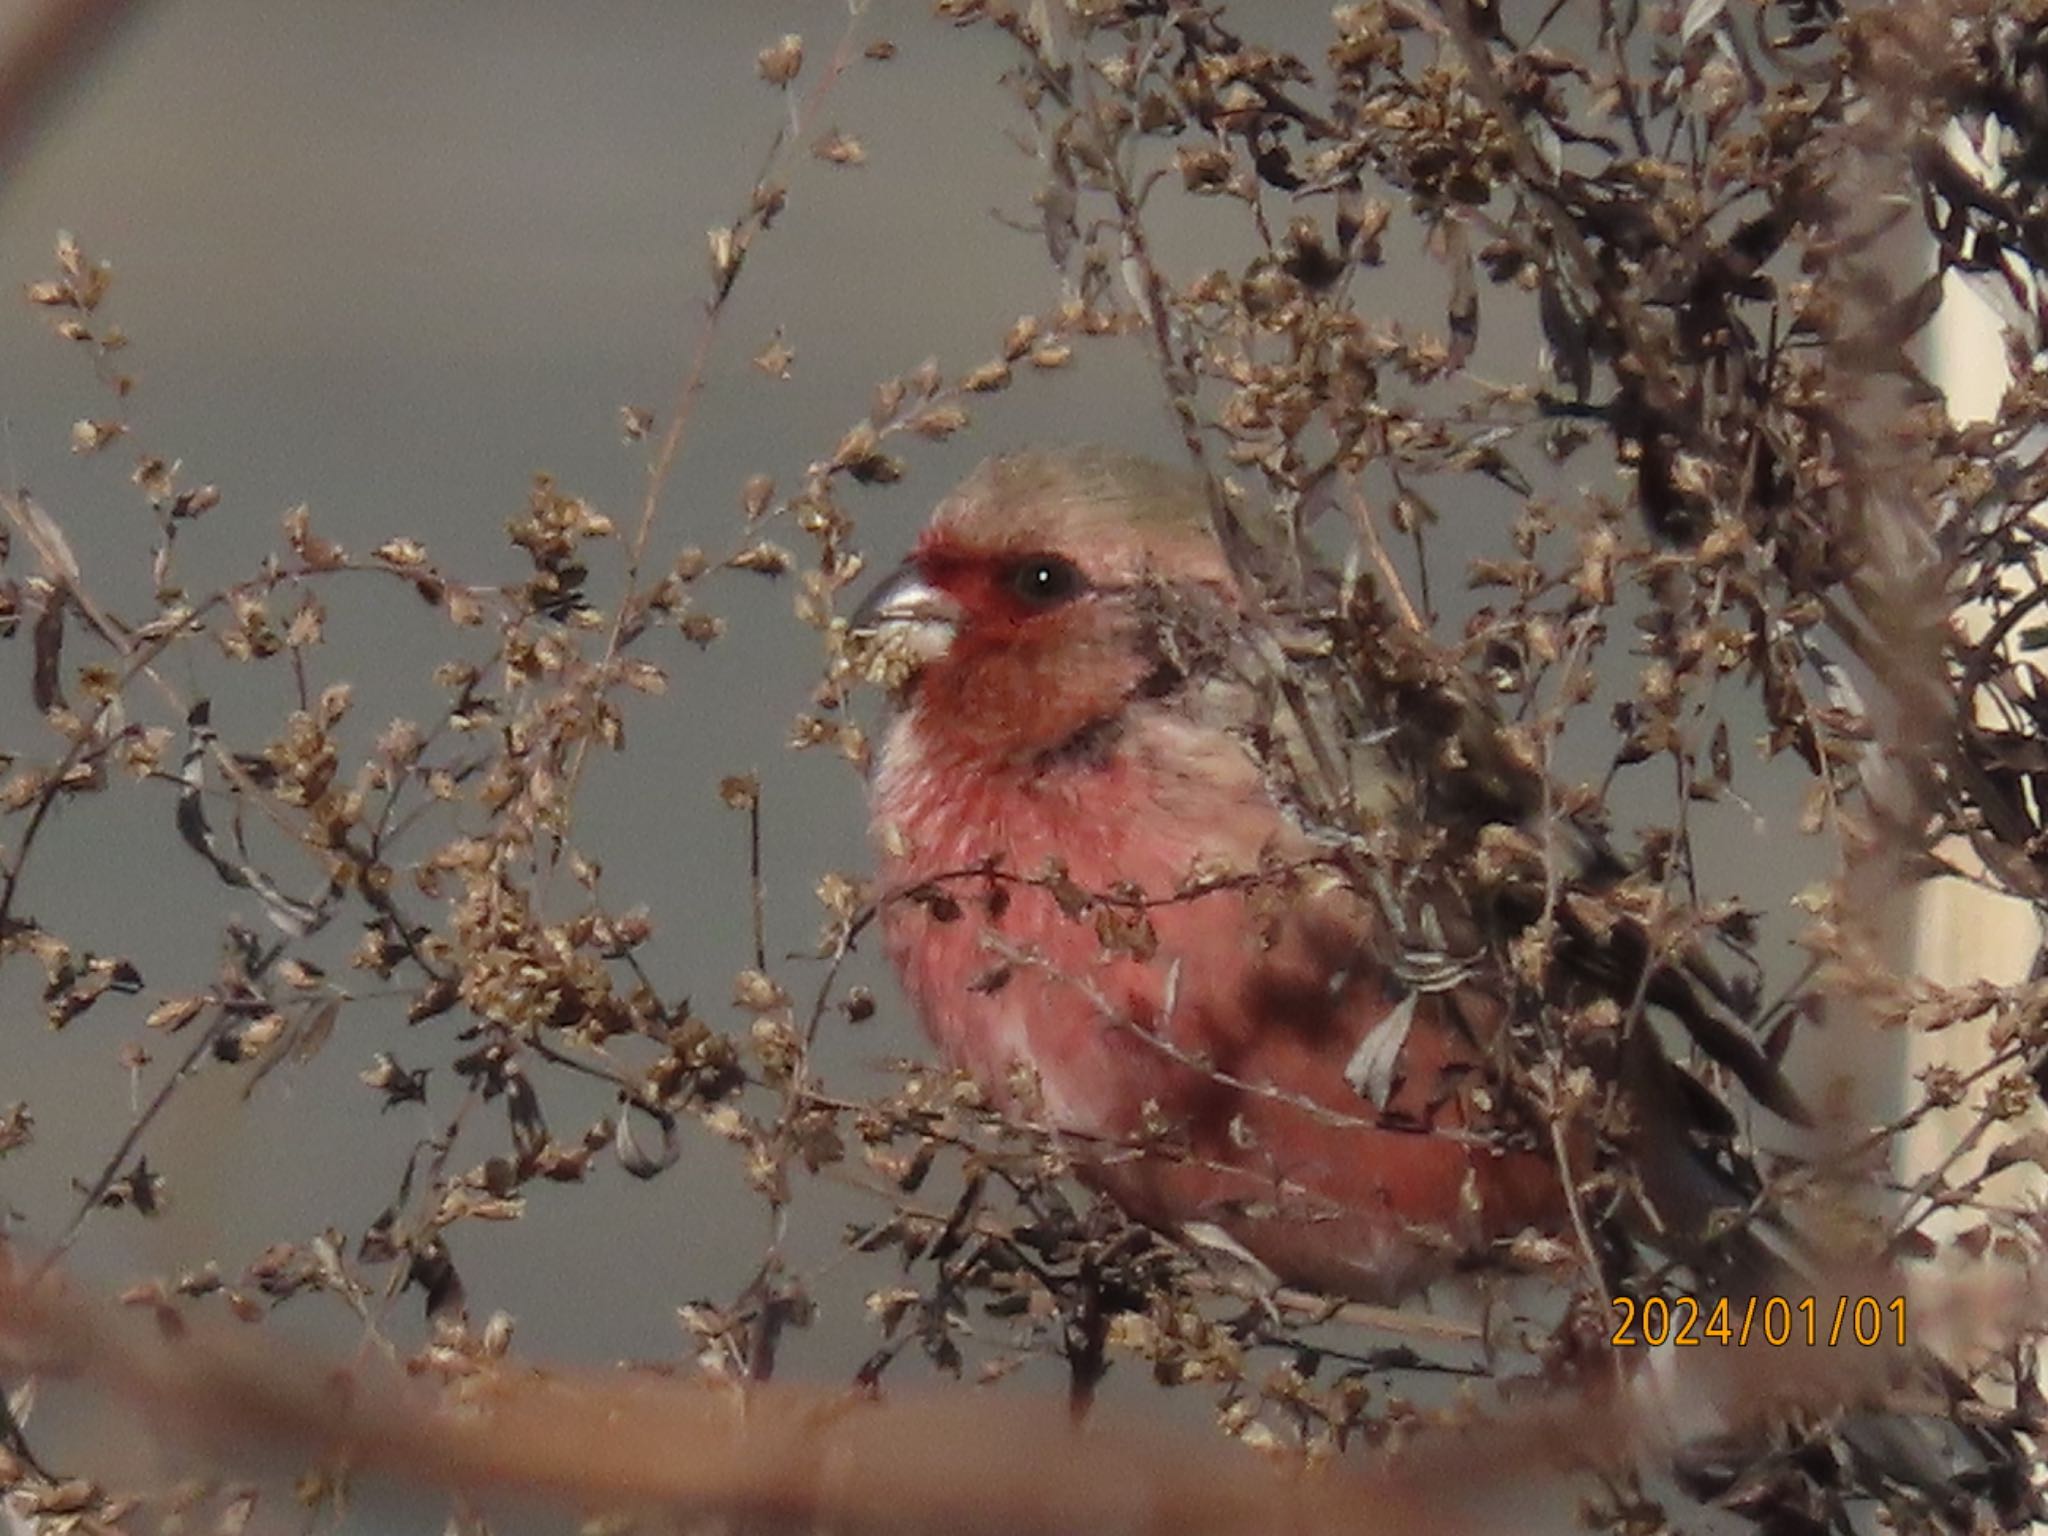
column 1031, row 916
column 1125, row 951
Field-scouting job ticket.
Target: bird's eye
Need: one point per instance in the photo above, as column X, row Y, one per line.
column 1045, row 581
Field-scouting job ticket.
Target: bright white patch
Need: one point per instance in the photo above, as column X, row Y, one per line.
column 1370, row 1071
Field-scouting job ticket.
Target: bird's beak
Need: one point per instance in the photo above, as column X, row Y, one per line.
column 905, row 624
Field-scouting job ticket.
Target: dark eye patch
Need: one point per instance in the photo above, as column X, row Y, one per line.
column 1045, row 581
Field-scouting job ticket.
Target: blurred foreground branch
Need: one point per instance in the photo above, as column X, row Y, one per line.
column 950, row 1461
column 50, row 53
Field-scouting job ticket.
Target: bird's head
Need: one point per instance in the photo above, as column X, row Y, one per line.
column 1030, row 613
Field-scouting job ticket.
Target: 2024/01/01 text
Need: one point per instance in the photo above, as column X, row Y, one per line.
column 1777, row 1321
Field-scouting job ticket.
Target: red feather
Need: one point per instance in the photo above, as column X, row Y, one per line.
column 1195, row 1042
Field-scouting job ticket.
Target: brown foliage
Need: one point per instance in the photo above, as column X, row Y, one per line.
column 1695, row 208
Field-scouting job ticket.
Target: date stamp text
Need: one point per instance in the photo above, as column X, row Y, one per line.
column 1776, row 1321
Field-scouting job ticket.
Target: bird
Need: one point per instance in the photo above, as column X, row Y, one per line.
column 1256, row 1022
column 1106, row 911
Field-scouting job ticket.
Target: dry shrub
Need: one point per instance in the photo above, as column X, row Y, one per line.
column 1697, row 208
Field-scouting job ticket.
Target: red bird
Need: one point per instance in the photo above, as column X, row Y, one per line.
column 1102, row 912
column 1105, row 910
